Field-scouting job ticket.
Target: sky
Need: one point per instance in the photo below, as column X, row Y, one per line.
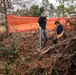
column 51, row 1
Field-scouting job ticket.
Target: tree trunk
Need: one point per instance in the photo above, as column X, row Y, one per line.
column 6, row 19
column 63, row 8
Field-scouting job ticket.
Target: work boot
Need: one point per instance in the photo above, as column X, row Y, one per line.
column 55, row 41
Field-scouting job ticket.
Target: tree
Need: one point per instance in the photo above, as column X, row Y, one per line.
column 71, row 9
column 24, row 4
column 34, row 10
column 4, row 5
column 51, row 6
column 62, row 4
column 45, row 4
column 41, row 10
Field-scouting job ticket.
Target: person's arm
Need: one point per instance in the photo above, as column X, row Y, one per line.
column 60, row 35
column 38, row 26
column 39, row 21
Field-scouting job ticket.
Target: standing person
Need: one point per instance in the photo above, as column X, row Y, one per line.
column 60, row 31
column 42, row 26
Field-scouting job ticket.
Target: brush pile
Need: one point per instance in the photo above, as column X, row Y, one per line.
column 19, row 56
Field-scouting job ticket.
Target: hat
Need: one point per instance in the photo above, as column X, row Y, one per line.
column 57, row 22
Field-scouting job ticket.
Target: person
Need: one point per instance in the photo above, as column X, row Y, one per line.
column 60, row 31
column 42, row 26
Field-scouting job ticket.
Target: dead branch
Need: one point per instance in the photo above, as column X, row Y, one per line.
column 43, row 51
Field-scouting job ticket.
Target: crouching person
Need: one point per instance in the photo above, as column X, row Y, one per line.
column 60, row 32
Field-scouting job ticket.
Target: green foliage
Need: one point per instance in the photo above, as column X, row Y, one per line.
column 4, row 52
column 9, row 56
column 51, row 6
column 34, row 10
column 14, row 51
column 6, row 67
column 41, row 10
column 62, row 1
column 13, row 55
column 69, row 7
column 60, row 7
column 7, row 53
column 3, row 67
column 45, row 4
column 70, row 10
column 55, row 72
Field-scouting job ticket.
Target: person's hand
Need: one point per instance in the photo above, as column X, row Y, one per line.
column 60, row 35
column 39, row 26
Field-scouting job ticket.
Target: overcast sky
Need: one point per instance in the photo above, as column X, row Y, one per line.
column 51, row 1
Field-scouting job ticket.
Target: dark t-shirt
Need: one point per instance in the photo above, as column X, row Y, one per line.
column 60, row 28
column 42, row 22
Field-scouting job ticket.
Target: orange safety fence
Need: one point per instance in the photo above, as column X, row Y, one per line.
column 19, row 23
column 17, row 20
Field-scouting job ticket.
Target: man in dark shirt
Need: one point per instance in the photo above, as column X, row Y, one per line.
column 59, row 31
column 42, row 26
column 42, row 22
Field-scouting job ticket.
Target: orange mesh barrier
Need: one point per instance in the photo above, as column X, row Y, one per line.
column 17, row 20
column 19, row 23
column 22, row 27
